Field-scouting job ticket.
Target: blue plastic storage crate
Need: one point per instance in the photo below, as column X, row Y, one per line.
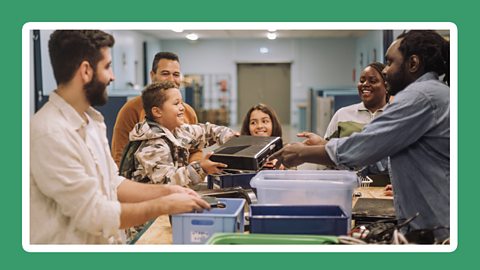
column 230, row 179
column 298, row 219
column 197, row 228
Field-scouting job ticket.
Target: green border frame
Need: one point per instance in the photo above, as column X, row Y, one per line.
column 15, row 14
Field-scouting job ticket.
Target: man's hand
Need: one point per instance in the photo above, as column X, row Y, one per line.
column 177, row 203
column 182, row 201
column 388, row 190
column 290, row 155
column 180, row 189
column 210, row 166
column 311, row 138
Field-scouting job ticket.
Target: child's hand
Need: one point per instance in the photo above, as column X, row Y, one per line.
column 234, row 134
column 211, row 167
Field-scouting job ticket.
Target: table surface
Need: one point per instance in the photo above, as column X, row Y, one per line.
column 160, row 232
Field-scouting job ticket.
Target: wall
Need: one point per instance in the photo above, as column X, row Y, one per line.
column 128, row 62
column 127, row 59
column 315, row 62
column 366, row 46
column 49, row 83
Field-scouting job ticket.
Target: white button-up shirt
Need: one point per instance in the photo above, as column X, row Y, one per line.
column 72, row 201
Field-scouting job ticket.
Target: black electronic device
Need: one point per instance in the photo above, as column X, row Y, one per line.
column 369, row 210
column 234, row 192
column 213, row 202
column 247, row 152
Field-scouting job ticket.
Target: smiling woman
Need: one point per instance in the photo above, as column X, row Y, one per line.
column 348, row 120
column 372, row 90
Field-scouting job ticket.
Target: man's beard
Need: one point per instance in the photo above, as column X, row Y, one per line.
column 397, row 81
column 96, row 92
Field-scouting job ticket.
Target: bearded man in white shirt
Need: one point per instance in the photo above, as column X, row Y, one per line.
column 76, row 195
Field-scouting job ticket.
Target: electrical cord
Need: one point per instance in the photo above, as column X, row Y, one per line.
column 348, row 240
column 382, row 232
column 398, row 238
column 388, row 232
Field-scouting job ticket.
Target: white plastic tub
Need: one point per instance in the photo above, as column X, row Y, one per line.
column 306, row 187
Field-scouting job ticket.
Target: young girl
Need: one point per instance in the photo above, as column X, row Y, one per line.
column 261, row 120
column 162, row 156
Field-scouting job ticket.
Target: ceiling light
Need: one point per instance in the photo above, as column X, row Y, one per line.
column 264, row 50
column 192, row 36
column 272, row 35
column 177, row 30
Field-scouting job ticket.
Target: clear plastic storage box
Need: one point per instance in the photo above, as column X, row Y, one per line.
column 197, row 228
column 306, row 187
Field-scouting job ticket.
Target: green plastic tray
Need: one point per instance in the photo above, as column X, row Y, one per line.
column 270, row 239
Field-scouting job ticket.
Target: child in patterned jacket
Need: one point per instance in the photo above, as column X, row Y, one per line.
column 162, row 156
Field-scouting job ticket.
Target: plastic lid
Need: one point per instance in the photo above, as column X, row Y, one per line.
column 305, row 178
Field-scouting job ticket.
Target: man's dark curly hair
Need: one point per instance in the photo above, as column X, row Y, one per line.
column 432, row 49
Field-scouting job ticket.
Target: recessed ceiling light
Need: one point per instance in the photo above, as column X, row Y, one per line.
column 272, row 35
column 263, row 50
column 192, row 36
column 177, row 30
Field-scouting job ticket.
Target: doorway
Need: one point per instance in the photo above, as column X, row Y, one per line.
column 267, row 83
